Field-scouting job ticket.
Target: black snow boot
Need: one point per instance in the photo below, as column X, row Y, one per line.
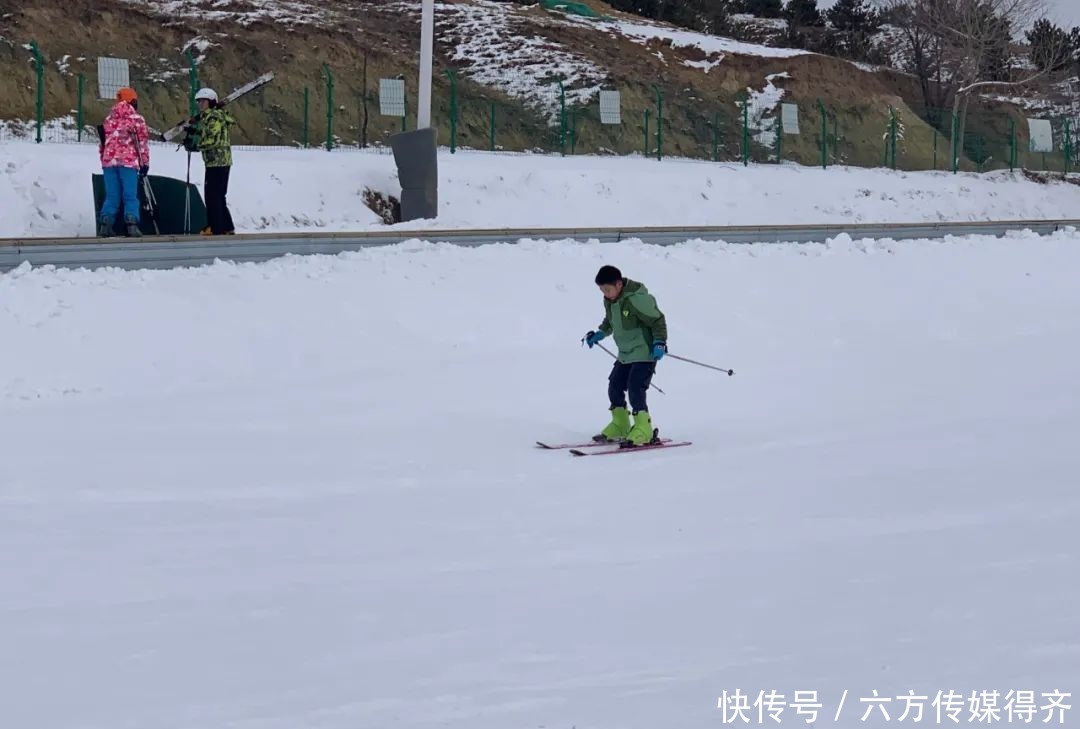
column 105, row 228
column 133, row 229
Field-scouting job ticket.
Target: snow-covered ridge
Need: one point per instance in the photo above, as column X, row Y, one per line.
column 643, row 32
column 494, row 46
column 245, row 12
column 497, row 45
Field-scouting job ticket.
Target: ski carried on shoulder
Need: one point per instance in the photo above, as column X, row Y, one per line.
column 611, row 450
column 171, row 134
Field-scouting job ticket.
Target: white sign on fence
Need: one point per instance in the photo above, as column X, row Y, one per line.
column 610, row 107
column 1042, row 135
column 790, row 117
column 112, row 76
column 392, row 97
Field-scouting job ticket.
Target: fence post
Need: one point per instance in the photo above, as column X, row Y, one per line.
column 39, row 104
column 892, row 136
column 492, row 126
column 1014, row 156
column 1067, row 147
column 329, row 107
column 746, row 132
column 954, row 163
column 562, row 118
column 824, row 135
column 836, row 137
column 573, row 131
column 645, row 151
column 780, row 137
column 79, row 113
column 453, row 111
column 193, row 82
column 659, row 123
column 307, row 116
column 935, row 146
column 716, row 138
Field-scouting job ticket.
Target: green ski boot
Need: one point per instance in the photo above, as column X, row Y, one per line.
column 642, row 433
column 617, row 429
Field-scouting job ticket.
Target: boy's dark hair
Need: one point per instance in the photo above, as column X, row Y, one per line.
column 608, row 275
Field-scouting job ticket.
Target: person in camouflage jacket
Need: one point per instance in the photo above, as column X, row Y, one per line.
column 212, row 130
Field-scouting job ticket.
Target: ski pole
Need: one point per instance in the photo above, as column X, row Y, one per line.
column 148, row 190
column 612, row 354
column 701, row 364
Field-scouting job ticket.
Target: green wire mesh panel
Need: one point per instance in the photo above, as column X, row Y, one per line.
column 610, row 107
column 113, row 75
column 789, row 116
column 1042, row 135
column 392, row 97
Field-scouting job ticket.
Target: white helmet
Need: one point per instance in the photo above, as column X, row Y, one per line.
column 208, row 94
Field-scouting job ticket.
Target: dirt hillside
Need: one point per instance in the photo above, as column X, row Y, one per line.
column 506, row 61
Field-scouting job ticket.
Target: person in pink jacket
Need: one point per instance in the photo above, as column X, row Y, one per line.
column 125, row 155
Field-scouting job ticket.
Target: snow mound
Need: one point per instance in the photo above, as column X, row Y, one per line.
column 46, row 190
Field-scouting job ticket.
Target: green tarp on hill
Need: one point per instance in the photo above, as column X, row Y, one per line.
column 169, row 210
column 570, row 7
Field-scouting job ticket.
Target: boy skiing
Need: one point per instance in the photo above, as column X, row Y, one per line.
column 639, row 328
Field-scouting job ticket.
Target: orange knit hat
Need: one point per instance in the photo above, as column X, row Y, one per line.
column 126, row 94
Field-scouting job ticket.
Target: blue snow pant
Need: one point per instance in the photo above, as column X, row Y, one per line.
column 120, row 183
column 634, row 377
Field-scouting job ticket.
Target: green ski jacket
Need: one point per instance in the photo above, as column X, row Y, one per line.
column 214, row 140
column 635, row 322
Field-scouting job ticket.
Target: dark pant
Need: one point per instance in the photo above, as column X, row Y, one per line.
column 633, row 378
column 218, row 216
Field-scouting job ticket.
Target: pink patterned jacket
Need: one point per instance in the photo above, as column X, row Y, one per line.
column 120, row 148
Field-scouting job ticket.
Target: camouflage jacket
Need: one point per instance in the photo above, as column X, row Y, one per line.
column 214, row 140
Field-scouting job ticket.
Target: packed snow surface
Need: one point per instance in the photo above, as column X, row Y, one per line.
column 45, row 190
column 305, row 493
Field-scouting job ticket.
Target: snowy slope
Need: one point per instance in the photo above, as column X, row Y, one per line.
column 303, row 494
column 45, row 191
column 247, row 12
column 643, row 32
column 496, row 47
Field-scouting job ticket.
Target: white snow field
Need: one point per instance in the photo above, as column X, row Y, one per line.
column 45, row 191
column 305, row 493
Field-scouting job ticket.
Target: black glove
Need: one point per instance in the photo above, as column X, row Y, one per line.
column 144, row 170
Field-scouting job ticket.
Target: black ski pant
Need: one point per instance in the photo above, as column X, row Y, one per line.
column 634, row 378
column 218, row 216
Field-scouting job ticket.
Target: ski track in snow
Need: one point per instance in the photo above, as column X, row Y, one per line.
column 304, row 493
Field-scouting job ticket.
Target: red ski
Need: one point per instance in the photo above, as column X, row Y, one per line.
column 612, row 450
column 589, row 444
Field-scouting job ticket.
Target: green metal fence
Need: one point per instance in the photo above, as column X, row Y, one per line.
column 655, row 121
